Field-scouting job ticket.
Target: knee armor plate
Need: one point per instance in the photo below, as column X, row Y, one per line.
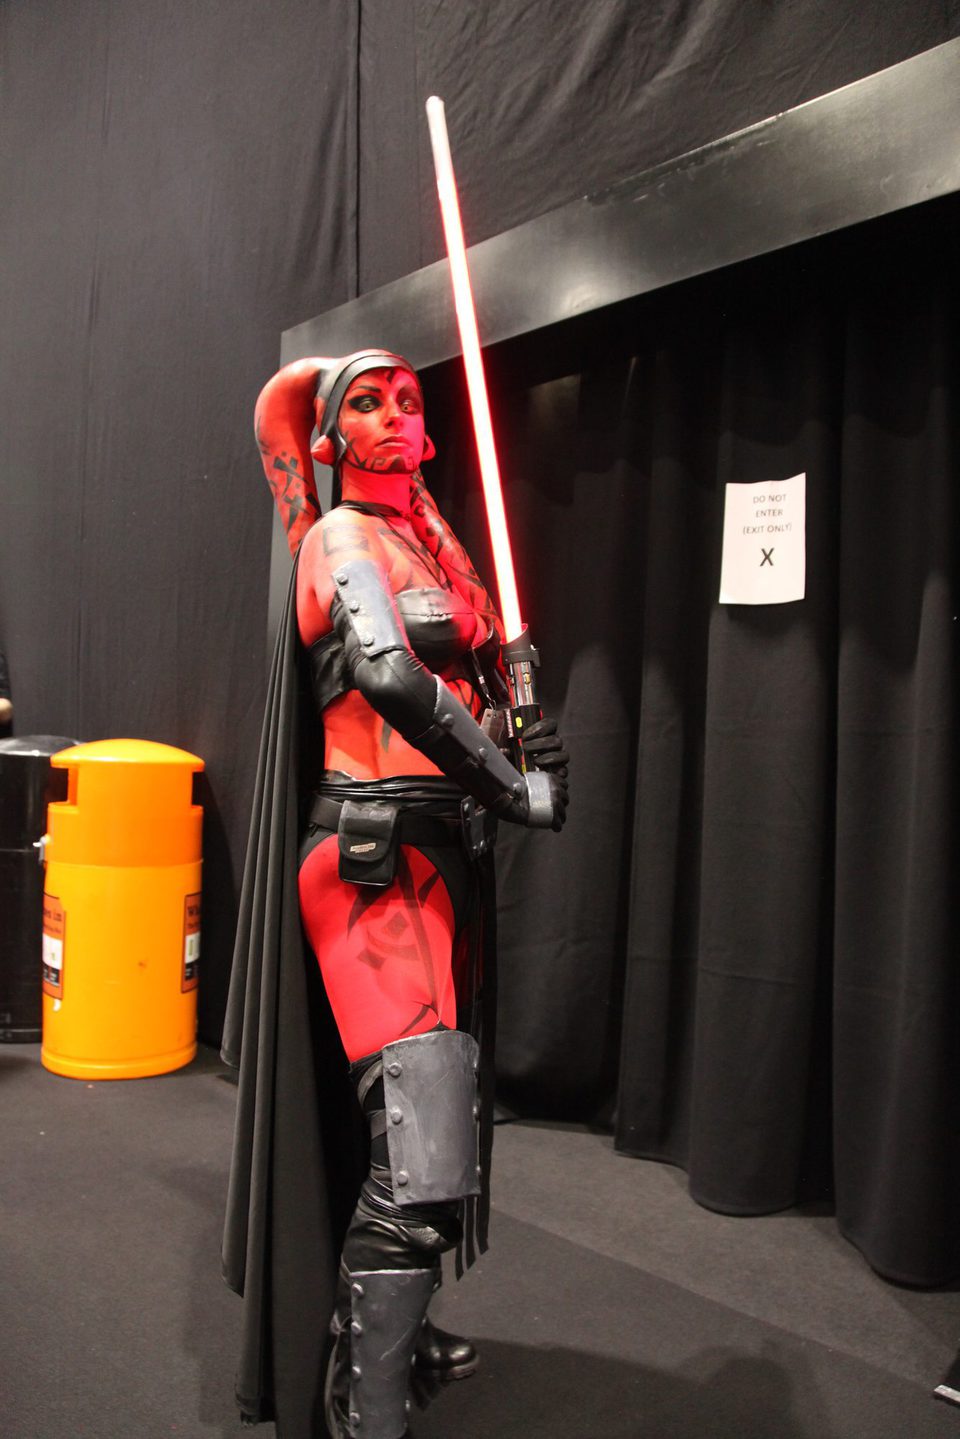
column 430, row 1090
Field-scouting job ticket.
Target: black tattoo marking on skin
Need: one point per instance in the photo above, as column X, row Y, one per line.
column 337, row 538
column 288, row 488
column 402, row 578
column 399, row 542
column 381, row 464
column 449, row 553
column 407, row 922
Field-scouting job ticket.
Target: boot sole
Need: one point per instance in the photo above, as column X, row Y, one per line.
column 455, row 1371
column 427, row 1382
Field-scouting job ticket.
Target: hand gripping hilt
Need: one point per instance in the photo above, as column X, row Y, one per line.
column 458, row 746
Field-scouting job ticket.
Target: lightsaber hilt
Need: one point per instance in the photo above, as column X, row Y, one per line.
column 522, row 660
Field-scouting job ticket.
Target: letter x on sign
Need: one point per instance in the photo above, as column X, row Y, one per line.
column 767, row 556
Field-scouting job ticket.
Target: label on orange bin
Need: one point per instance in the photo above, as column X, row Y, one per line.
column 54, row 925
column 191, row 943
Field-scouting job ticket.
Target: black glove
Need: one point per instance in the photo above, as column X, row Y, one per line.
column 541, row 802
column 543, row 747
column 561, row 797
column 543, row 750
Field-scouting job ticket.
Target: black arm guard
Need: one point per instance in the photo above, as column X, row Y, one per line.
column 457, row 745
column 419, row 706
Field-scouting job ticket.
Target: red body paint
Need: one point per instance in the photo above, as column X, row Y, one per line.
column 387, row 956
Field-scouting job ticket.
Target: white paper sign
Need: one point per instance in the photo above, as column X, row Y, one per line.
column 764, row 543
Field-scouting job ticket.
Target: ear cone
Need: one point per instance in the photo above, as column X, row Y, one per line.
column 322, row 450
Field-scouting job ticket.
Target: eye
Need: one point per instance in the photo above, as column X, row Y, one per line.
column 410, row 404
column 364, row 403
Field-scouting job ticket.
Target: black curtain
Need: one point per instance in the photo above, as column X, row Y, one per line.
column 174, row 197
column 751, row 912
column 550, row 100
column 182, row 182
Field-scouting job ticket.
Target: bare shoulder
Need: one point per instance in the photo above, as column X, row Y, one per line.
column 349, row 530
column 337, row 536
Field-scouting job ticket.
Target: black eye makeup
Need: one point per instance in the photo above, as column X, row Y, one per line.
column 365, row 402
column 409, row 400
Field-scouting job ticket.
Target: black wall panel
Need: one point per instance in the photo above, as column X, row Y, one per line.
column 169, row 207
column 184, row 181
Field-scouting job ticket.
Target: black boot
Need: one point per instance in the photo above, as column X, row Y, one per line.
column 388, row 1275
column 391, row 1253
column 438, row 1360
column 446, row 1356
column 440, row 1356
column 336, row 1394
column 368, row 1376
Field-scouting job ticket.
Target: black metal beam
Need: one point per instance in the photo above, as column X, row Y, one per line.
column 878, row 145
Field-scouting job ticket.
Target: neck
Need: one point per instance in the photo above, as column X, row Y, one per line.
column 377, row 489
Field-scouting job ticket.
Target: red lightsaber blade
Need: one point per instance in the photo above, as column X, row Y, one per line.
column 519, row 654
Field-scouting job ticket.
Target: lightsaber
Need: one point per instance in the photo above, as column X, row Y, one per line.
column 519, row 653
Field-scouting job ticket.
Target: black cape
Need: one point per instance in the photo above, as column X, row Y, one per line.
column 300, row 1153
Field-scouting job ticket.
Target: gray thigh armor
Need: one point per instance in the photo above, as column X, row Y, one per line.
column 431, row 1116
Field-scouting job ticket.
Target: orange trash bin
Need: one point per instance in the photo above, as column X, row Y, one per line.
column 121, row 912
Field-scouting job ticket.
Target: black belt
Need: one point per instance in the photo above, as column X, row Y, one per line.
column 416, row 827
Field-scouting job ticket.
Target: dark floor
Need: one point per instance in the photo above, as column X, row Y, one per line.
column 608, row 1305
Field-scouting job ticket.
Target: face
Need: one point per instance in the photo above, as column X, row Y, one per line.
column 381, row 420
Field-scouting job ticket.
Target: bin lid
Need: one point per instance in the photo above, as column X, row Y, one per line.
column 27, row 786
column 126, row 751
column 36, row 744
column 129, row 802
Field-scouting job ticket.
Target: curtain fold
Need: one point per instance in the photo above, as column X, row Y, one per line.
column 896, row 950
column 749, row 880
column 177, row 191
column 791, row 993
column 750, row 917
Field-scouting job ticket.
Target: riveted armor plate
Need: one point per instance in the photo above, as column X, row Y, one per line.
column 387, row 1308
column 430, row 1092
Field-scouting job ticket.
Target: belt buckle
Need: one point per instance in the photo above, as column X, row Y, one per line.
column 473, row 827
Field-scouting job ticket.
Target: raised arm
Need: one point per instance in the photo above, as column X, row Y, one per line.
column 283, row 422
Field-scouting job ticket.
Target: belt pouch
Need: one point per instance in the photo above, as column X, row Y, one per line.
column 369, row 840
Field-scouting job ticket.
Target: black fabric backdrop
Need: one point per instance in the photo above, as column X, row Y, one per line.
column 167, row 212
column 763, row 819
column 762, row 798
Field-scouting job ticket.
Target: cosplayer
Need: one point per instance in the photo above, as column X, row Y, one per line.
column 374, row 834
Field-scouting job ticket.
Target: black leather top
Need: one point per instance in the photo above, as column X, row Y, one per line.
column 440, row 626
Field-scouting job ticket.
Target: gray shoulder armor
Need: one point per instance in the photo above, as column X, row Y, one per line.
column 364, row 609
